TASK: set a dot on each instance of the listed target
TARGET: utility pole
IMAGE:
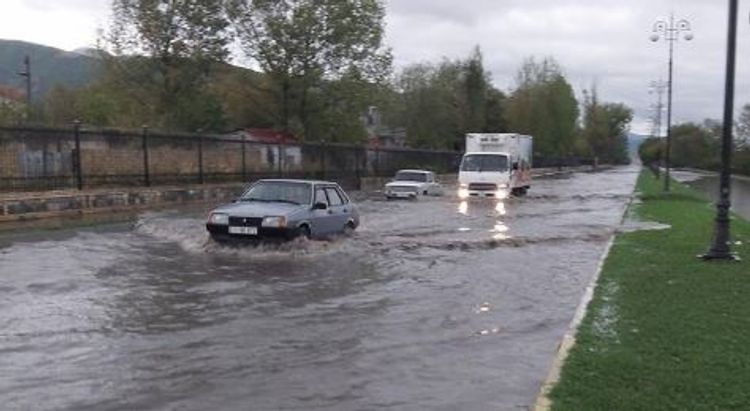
(657, 87)
(27, 74)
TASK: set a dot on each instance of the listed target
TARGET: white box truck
(495, 165)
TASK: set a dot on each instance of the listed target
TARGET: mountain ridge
(50, 67)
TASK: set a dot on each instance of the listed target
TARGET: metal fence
(36, 158)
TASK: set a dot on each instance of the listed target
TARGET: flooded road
(436, 304)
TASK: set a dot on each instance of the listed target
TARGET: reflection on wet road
(434, 304)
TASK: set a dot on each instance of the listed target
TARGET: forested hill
(49, 67)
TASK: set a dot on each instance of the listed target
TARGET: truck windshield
(411, 176)
(484, 162)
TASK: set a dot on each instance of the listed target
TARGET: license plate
(243, 230)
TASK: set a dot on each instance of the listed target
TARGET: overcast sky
(596, 41)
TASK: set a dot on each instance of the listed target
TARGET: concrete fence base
(26, 207)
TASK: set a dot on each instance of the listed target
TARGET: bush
(651, 150)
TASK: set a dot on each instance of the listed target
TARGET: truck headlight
(274, 222)
(463, 185)
(501, 194)
(218, 218)
(463, 193)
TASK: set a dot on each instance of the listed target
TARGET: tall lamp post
(670, 31)
(720, 249)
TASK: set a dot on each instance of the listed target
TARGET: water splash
(191, 236)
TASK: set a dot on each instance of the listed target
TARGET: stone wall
(25, 207)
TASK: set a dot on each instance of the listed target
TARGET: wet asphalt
(433, 304)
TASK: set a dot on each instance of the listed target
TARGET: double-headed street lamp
(720, 249)
(670, 31)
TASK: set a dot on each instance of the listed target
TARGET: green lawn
(665, 330)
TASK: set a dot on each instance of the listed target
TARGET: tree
(605, 128)
(302, 45)
(544, 106)
(698, 146)
(743, 128)
(340, 107)
(741, 159)
(164, 52)
(12, 109)
(651, 150)
(442, 102)
(434, 110)
(11, 113)
(694, 145)
(495, 111)
(476, 87)
(244, 97)
(618, 118)
(61, 106)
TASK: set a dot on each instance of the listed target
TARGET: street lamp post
(670, 31)
(720, 248)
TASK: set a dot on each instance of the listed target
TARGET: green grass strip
(665, 330)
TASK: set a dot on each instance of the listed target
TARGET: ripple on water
(411, 312)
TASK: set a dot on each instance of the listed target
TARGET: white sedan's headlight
(219, 218)
(274, 222)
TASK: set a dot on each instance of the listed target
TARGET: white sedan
(412, 184)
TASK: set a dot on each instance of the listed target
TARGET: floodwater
(708, 184)
(434, 304)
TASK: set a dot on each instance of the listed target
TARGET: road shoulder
(664, 330)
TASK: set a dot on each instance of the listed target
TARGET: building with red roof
(267, 136)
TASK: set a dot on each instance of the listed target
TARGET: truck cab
(485, 175)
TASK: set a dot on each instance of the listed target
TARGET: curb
(542, 402)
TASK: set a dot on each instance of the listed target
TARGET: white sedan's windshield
(484, 163)
(279, 191)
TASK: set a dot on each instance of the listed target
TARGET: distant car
(413, 183)
(284, 209)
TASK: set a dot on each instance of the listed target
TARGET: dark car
(284, 209)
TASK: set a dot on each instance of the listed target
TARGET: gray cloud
(83, 5)
(66, 24)
(603, 42)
